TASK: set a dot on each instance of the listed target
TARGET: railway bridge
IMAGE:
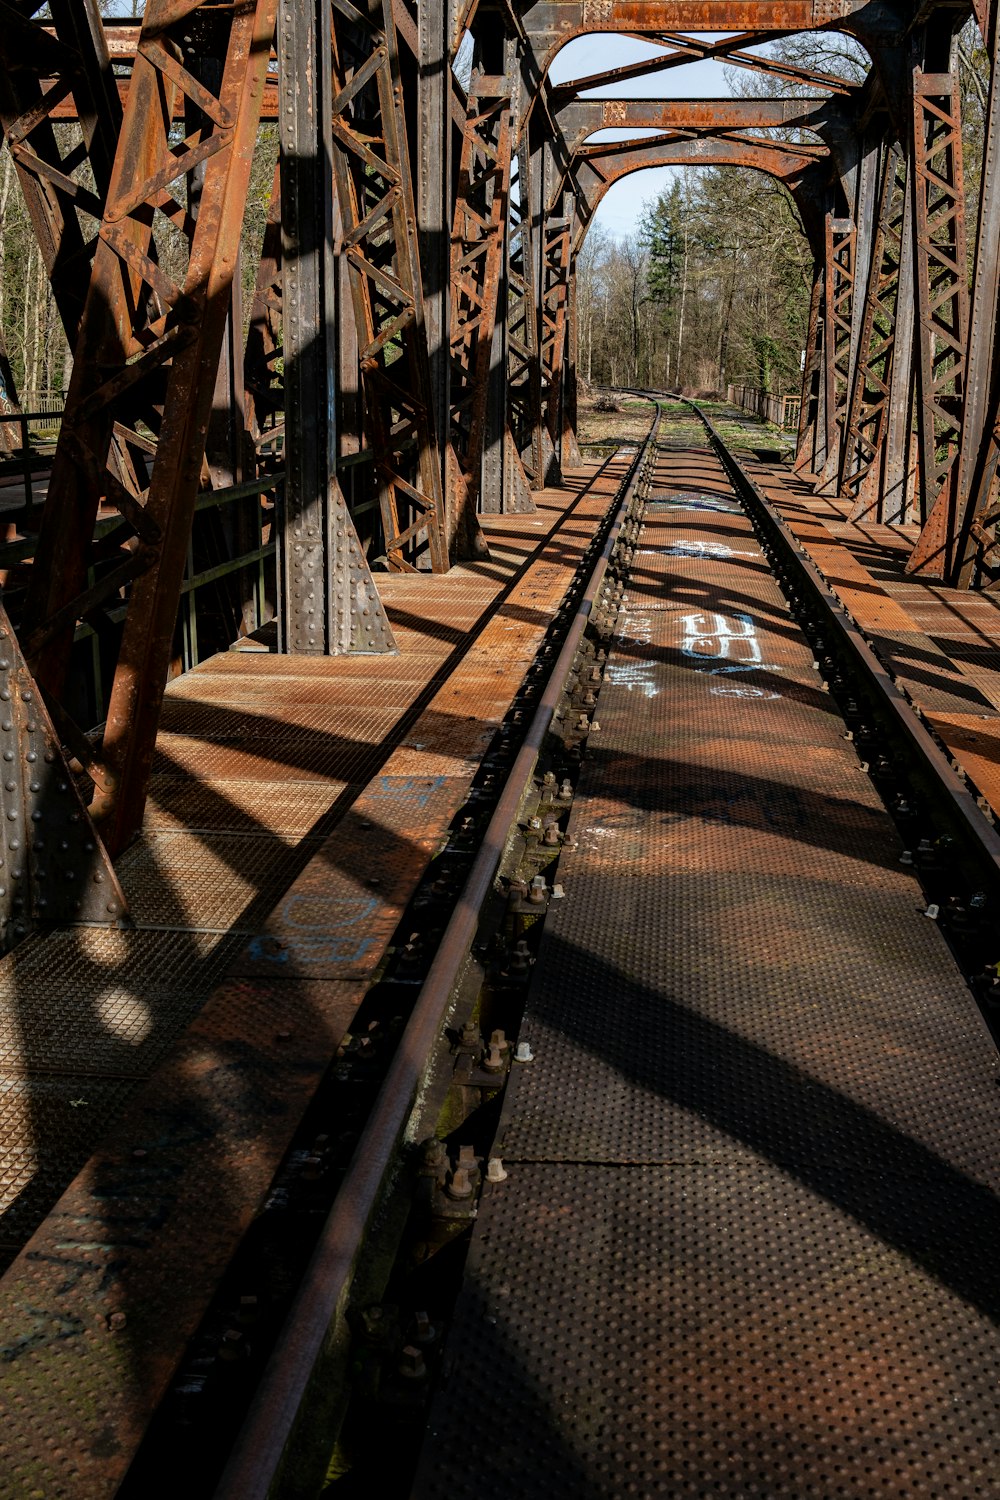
(499, 973)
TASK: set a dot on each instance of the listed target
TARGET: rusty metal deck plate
(336, 919)
(96, 1308)
(974, 741)
(309, 756)
(209, 882)
(278, 721)
(103, 1001)
(741, 1248)
(183, 804)
(928, 676)
(696, 1331)
(396, 685)
(47, 1133)
(413, 806)
(140, 1238)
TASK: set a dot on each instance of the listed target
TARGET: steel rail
(904, 714)
(269, 1425)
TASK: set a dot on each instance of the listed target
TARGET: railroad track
(949, 830)
(212, 1389)
(479, 972)
(423, 1145)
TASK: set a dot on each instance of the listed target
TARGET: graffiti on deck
(636, 676)
(704, 549)
(695, 500)
(720, 638)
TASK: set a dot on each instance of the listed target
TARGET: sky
(621, 208)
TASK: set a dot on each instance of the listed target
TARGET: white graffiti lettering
(714, 637)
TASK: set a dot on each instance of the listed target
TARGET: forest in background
(713, 288)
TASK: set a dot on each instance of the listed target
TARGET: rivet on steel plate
(520, 958)
(434, 1157)
(493, 1062)
(411, 1364)
(234, 1345)
(558, 894)
(459, 1183)
(423, 1331)
(469, 1039)
(933, 911)
(523, 1053)
(495, 1170)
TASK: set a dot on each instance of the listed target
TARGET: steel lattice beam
(942, 309)
(477, 253)
(144, 378)
(372, 171)
(331, 604)
(524, 383)
(868, 414)
(41, 71)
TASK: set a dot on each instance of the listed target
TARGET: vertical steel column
(264, 398)
(899, 464)
(555, 294)
(868, 413)
(477, 247)
(540, 172)
(329, 602)
(838, 301)
(375, 191)
(865, 214)
(942, 311)
(570, 448)
(434, 207)
(977, 516)
(523, 366)
(811, 376)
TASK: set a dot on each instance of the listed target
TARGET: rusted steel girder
(812, 377)
(330, 604)
(144, 379)
(477, 254)
(977, 513)
(942, 290)
(868, 414)
(595, 174)
(40, 70)
(372, 171)
(838, 302)
(552, 23)
(524, 381)
(556, 258)
(580, 118)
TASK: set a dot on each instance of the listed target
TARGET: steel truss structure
(409, 352)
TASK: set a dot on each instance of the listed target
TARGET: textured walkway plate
(747, 1241)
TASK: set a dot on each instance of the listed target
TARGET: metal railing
(781, 411)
